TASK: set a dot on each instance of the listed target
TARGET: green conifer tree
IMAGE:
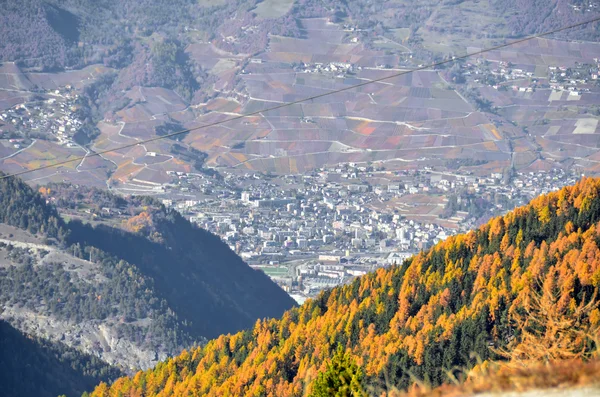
(343, 378)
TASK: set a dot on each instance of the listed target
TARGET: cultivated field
(532, 121)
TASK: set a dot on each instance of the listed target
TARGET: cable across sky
(303, 100)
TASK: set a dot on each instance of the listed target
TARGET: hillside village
(504, 75)
(51, 117)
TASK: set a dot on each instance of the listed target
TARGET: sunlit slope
(444, 308)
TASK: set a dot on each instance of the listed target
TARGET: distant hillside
(27, 34)
(74, 33)
(464, 301)
(142, 68)
(34, 367)
(130, 297)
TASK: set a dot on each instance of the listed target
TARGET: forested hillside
(20, 207)
(454, 305)
(205, 282)
(186, 264)
(131, 295)
(54, 34)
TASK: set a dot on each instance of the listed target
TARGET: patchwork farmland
(528, 107)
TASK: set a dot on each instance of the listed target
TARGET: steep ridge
(188, 265)
(199, 276)
(452, 306)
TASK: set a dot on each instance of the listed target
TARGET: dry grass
(502, 378)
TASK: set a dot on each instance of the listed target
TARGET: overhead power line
(307, 99)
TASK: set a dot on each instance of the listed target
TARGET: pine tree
(343, 378)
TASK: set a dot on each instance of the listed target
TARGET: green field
(390, 45)
(401, 34)
(274, 271)
(273, 8)
(211, 3)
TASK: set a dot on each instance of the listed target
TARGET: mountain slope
(74, 33)
(190, 266)
(442, 309)
(130, 297)
(30, 366)
(27, 34)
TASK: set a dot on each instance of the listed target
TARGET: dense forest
(526, 17)
(452, 306)
(34, 367)
(27, 34)
(20, 207)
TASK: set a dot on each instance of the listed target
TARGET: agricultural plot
(41, 153)
(551, 102)
(75, 78)
(273, 8)
(544, 52)
(221, 64)
(453, 27)
(12, 80)
(11, 98)
(143, 167)
(414, 117)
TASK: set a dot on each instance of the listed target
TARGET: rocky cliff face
(98, 338)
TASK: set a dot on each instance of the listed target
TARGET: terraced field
(405, 122)
(406, 118)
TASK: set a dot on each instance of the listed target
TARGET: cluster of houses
(340, 68)
(50, 118)
(527, 78)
